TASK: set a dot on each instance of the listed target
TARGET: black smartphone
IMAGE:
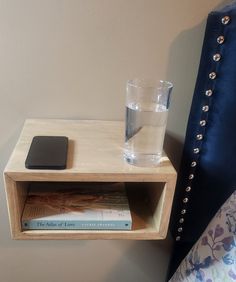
(47, 152)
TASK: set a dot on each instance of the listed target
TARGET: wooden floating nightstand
(95, 155)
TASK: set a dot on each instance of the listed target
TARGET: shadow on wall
(136, 257)
(182, 71)
(173, 147)
(184, 59)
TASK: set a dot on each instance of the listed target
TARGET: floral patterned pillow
(213, 257)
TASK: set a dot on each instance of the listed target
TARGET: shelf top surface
(95, 151)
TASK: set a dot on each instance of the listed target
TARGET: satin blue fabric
(215, 172)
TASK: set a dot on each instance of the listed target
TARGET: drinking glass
(147, 105)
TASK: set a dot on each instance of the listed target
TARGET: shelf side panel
(16, 193)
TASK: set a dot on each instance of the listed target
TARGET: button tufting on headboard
(188, 189)
(205, 108)
(202, 122)
(220, 39)
(185, 200)
(183, 211)
(207, 173)
(212, 75)
(209, 93)
(191, 176)
(196, 150)
(225, 20)
(199, 137)
(216, 57)
(181, 220)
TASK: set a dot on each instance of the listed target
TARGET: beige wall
(70, 59)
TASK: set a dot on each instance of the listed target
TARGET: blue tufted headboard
(207, 173)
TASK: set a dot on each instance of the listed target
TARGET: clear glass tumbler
(147, 104)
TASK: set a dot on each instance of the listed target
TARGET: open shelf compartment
(147, 203)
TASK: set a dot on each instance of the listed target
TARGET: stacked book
(98, 206)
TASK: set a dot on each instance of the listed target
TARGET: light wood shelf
(95, 155)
